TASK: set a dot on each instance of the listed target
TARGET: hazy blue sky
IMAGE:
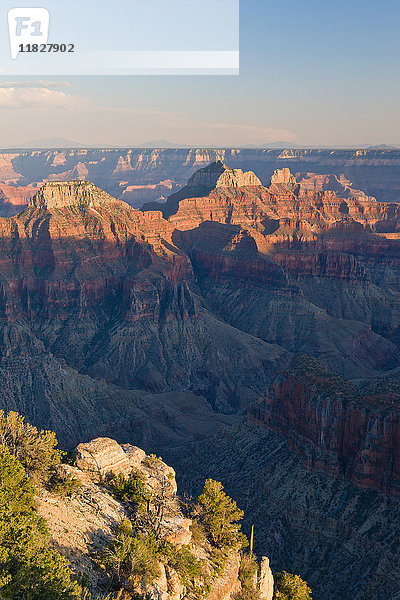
(312, 72)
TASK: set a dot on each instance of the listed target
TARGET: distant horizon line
(382, 147)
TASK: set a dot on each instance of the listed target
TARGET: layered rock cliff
(218, 193)
(14, 198)
(334, 426)
(331, 258)
(101, 302)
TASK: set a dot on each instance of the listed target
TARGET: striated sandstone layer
(218, 193)
(334, 427)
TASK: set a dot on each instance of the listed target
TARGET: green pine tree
(220, 516)
(290, 587)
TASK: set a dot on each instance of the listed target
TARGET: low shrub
(183, 561)
(198, 532)
(132, 554)
(152, 461)
(130, 489)
(248, 578)
(64, 484)
(290, 587)
(218, 559)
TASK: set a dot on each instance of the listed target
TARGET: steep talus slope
(321, 276)
(52, 394)
(343, 540)
(102, 296)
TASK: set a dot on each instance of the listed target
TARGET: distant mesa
(49, 143)
(62, 194)
(282, 180)
(283, 176)
(135, 175)
(219, 175)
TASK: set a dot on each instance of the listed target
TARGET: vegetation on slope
(30, 569)
(290, 587)
(220, 516)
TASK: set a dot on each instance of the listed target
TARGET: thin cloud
(127, 125)
(167, 123)
(39, 98)
(254, 133)
(34, 84)
(214, 132)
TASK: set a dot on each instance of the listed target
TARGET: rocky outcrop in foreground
(85, 524)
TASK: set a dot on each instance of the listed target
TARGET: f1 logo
(27, 25)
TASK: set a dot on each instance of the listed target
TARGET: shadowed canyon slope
(212, 300)
(96, 301)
